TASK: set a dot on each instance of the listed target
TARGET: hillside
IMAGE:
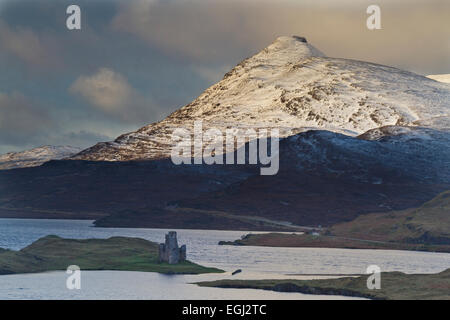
(324, 178)
(428, 224)
(426, 228)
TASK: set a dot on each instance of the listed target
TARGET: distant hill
(428, 224)
(426, 228)
(325, 178)
(35, 157)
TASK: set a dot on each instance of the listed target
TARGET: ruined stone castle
(170, 252)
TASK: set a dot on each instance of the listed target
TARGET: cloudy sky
(136, 61)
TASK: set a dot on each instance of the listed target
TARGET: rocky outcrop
(170, 252)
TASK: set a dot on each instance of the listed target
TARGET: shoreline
(289, 240)
(393, 286)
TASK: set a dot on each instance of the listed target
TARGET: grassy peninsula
(53, 253)
(394, 286)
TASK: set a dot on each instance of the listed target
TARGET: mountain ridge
(324, 178)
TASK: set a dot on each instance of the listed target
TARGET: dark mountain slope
(324, 178)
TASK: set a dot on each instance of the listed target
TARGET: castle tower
(170, 252)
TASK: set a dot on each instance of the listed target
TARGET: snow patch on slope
(35, 157)
(440, 77)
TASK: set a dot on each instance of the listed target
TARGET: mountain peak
(288, 39)
(292, 86)
(289, 49)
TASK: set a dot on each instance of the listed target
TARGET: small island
(394, 286)
(52, 253)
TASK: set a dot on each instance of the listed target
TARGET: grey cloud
(81, 138)
(24, 123)
(212, 73)
(21, 121)
(196, 30)
(205, 31)
(27, 45)
(111, 93)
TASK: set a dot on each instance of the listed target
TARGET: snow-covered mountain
(35, 157)
(357, 138)
(292, 86)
